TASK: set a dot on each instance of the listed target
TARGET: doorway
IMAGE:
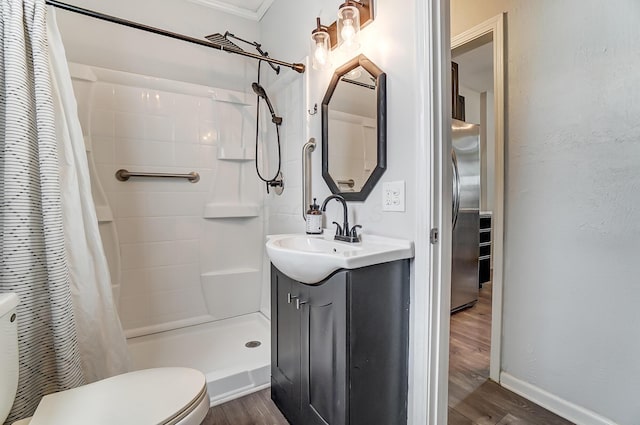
(480, 53)
(474, 343)
(474, 391)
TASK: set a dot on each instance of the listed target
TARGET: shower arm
(257, 46)
(298, 67)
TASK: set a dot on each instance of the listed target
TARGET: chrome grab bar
(308, 147)
(124, 175)
(456, 193)
(349, 183)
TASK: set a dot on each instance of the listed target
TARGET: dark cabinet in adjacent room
(340, 347)
(484, 265)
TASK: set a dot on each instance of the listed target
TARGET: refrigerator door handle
(456, 188)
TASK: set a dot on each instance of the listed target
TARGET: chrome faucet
(343, 233)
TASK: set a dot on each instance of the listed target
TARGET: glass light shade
(349, 28)
(320, 50)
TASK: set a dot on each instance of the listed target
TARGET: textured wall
(572, 198)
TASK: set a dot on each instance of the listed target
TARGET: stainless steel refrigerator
(465, 160)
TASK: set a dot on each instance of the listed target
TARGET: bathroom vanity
(340, 346)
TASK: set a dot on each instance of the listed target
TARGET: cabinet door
(324, 352)
(285, 345)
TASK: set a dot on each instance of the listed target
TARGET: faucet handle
(338, 228)
(354, 231)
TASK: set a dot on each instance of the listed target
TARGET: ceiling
(475, 68)
(249, 9)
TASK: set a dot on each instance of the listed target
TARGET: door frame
(431, 296)
(493, 29)
(431, 299)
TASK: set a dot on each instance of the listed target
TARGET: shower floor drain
(253, 344)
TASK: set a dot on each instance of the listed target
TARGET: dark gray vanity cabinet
(285, 345)
(339, 348)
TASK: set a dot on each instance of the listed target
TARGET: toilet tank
(8, 353)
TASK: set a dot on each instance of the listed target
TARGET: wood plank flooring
(473, 398)
(254, 409)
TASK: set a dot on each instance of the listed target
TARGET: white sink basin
(311, 258)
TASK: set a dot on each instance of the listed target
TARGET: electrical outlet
(393, 196)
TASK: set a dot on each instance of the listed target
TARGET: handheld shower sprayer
(260, 92)
(276, 182)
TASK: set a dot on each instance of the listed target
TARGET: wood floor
(254, 409)
(473, 398)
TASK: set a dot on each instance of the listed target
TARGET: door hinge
(433, 236)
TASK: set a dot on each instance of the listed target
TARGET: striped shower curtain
(33, 263)
(50, 250)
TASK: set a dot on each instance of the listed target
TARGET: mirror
(354, 129)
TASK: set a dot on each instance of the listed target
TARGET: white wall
(94, 42)
(357, 159)
(389, 43)
(178, 267)
(572, 195)
(184, 259)
(471, 103)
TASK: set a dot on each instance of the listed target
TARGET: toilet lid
(144, 397)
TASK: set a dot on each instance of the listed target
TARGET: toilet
(167, 396)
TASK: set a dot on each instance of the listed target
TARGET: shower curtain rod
(298, 67)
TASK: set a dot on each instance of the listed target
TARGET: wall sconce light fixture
(320, 46)
(352, 16)
(349, 26)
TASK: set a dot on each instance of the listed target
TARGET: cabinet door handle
(299, 303)
(290, 297)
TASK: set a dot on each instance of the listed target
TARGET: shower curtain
(103, 348)
(50, 251)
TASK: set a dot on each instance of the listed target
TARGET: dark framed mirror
(354, 129)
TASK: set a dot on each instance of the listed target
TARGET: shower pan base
(225, 351)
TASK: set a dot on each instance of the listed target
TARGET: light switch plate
(393, 196)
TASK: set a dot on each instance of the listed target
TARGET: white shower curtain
(102, 344)
(50, 249)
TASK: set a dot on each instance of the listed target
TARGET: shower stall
(182, 214)
(185, 256)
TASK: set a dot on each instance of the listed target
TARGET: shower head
(260, 92)
(223, 42)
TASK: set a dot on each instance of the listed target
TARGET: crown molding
(254, 15)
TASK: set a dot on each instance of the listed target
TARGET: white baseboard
(553, 403)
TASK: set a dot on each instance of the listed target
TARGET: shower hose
(277, 121)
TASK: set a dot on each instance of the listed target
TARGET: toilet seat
(167, 396)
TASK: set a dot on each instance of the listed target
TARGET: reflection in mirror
(354, 129)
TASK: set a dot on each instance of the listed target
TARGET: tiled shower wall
(188, 252)
(284, 213)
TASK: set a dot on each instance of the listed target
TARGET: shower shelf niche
(235, 153)
(215, 210)
(232, 292)
(227, 96)
(104, 214)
